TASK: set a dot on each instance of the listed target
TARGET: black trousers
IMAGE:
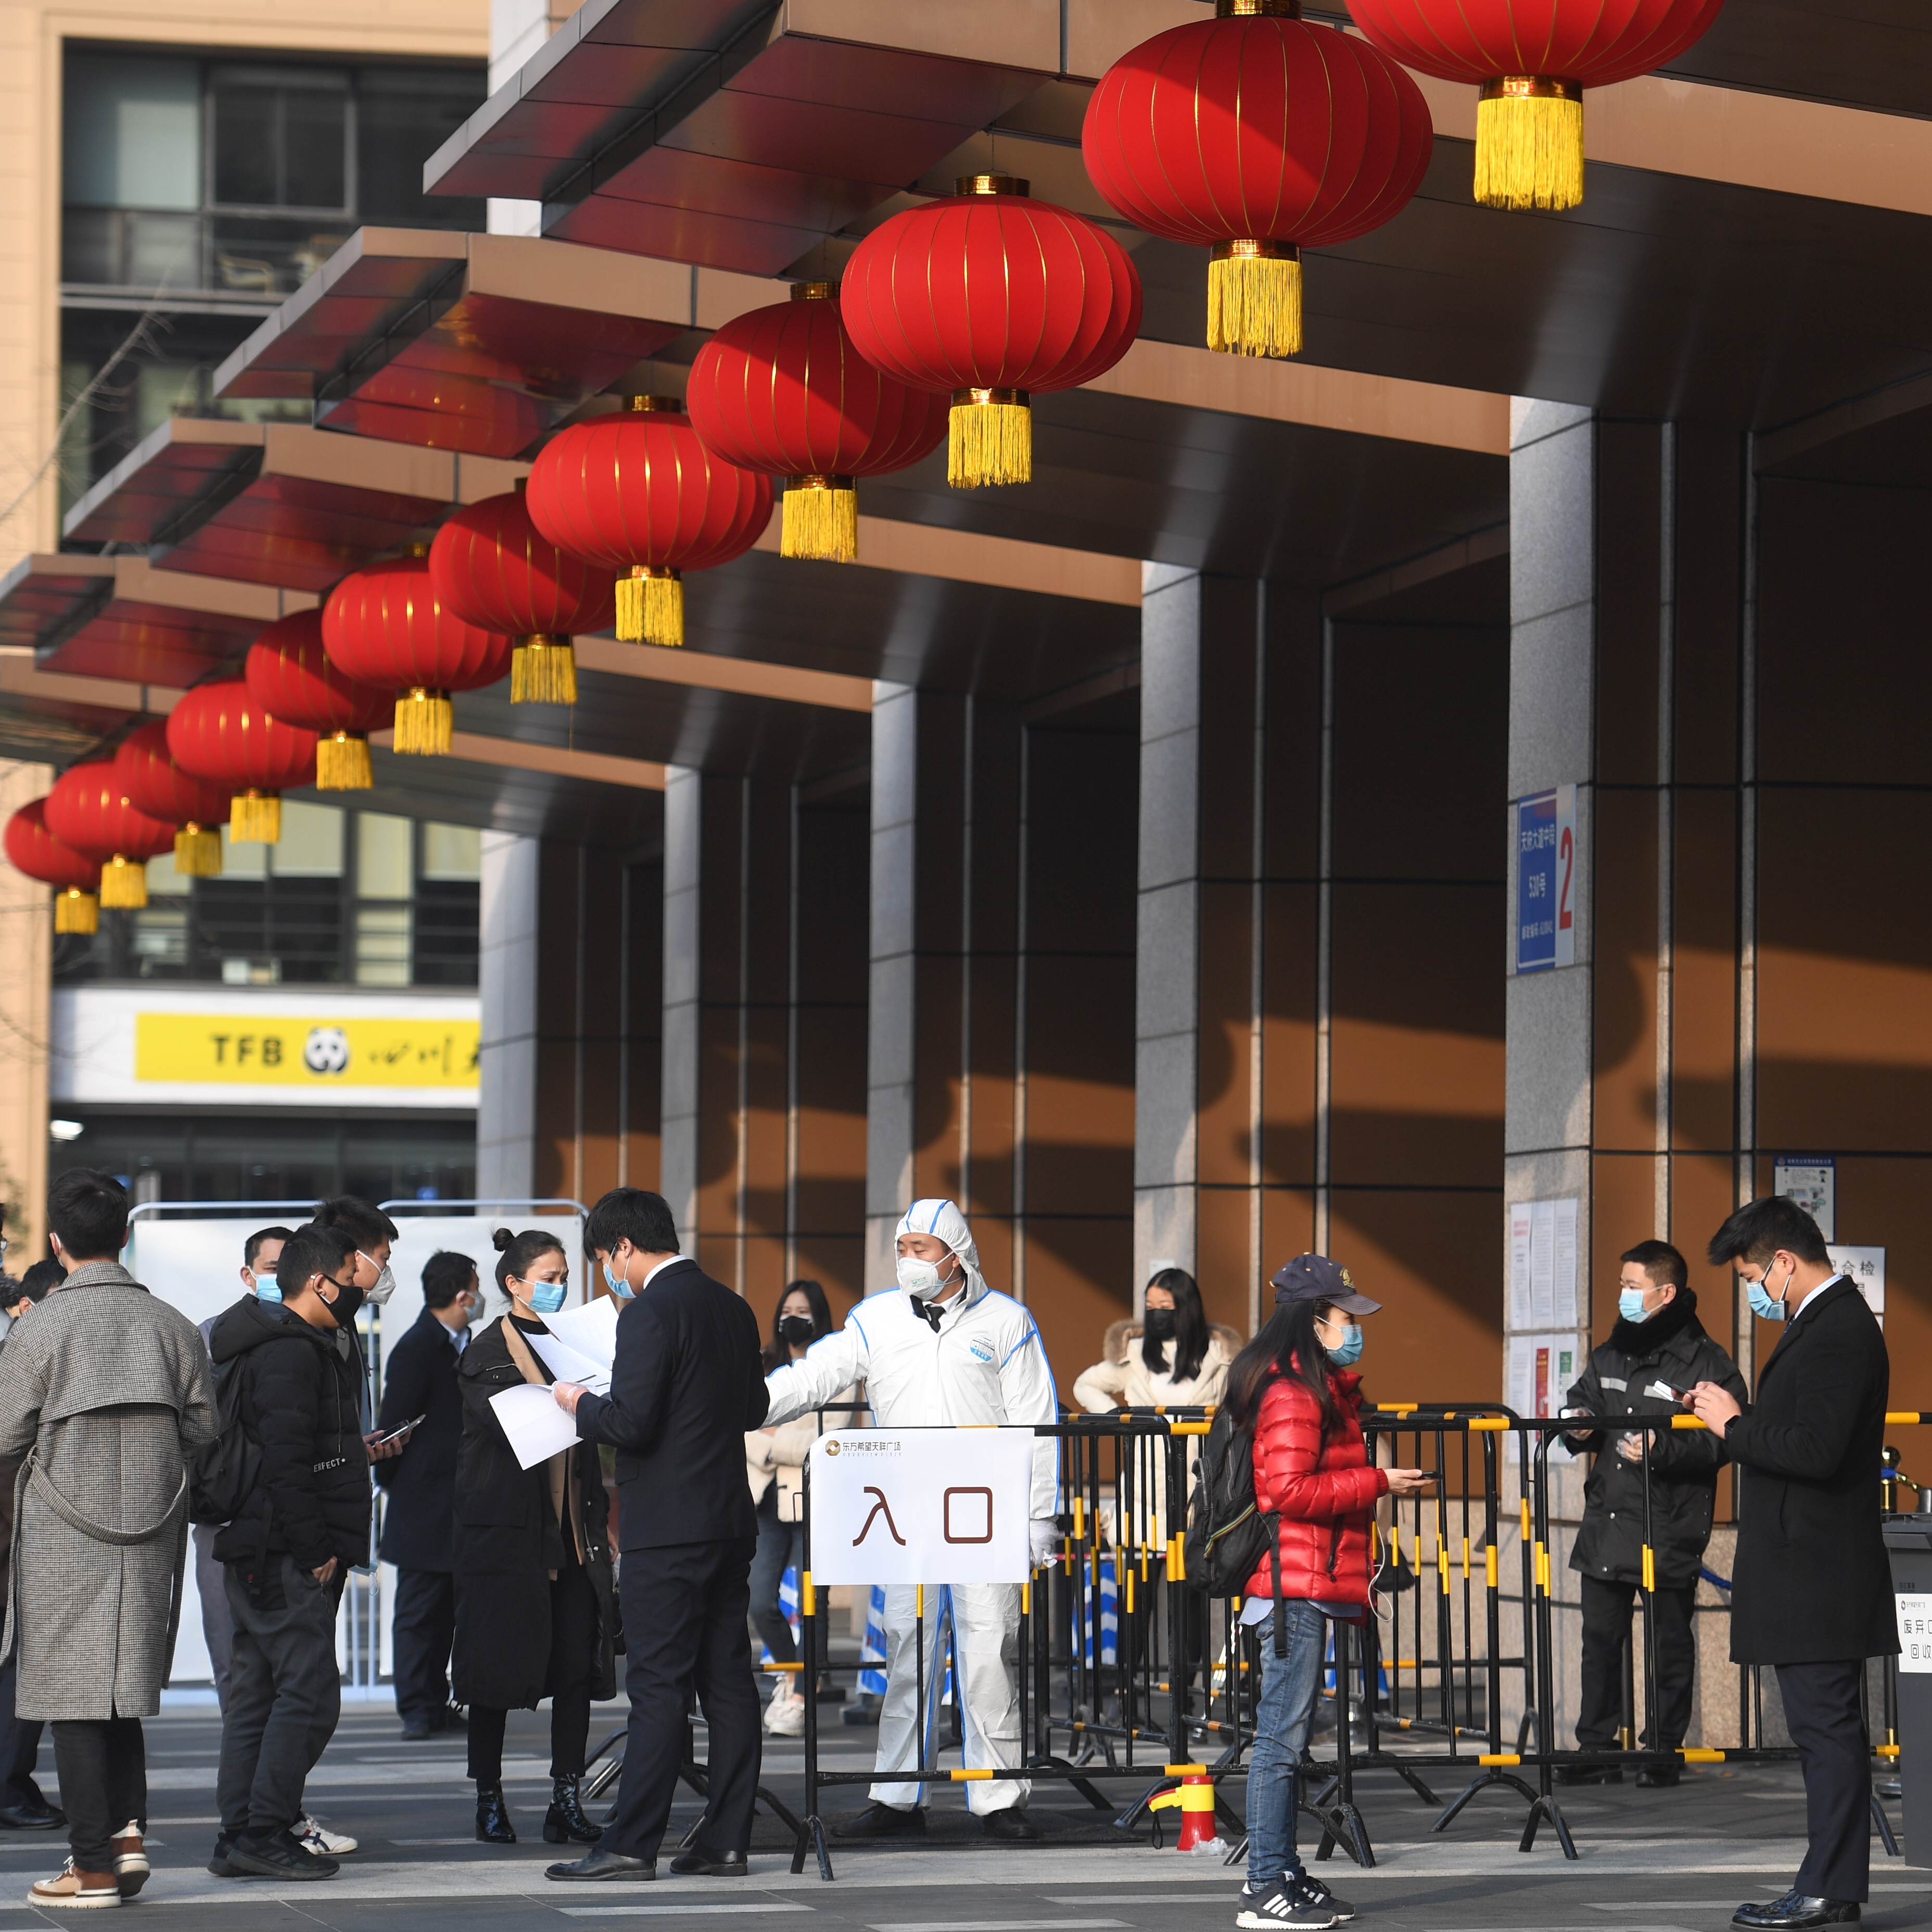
(573, 1639)
(19, 1744)
(424, 1625)
(1822, 1712)
(685, 1607)
(1607, 1609)
(102, 1764)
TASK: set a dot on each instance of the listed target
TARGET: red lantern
(784, 390)
(1261, 137)
(89, 808)
(385, 625)
(219, 732)
(991, 297)
(154, 783)
(289, 675)
(33, 850)
(639, 492)
(1533, 58)
(490, 564)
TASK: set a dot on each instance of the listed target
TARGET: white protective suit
(984, 1362)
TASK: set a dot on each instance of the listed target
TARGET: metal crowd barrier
(1130, 1674)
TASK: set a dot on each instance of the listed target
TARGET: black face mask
(347, 1302)
(1159, 1324)
(793, 1329)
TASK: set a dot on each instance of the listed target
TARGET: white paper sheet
(568, 1365)
(591, 1330)
(537, 1428)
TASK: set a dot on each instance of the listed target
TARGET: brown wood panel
(1223, 1126)
(1710, 578)
(642, 1064)
(1624, 990)
(1081, 849)
(717, 1062)
(1703, 1193)
(1287, 1034)
(1221, 1265)
(767, 1125)
(1704, 1012)
(1291, 803)
(1882, 1203)
(1630, 555)
(1623, 1212)
(936, 1077)
(1287, 1229)
(1079, 1278)
(1080, 1092)
(558, 905)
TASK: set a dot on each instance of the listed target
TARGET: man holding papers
(687, 1382)
(534, 1614)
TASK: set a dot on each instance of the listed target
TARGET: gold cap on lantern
(992, 184)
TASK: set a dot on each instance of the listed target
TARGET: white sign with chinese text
(921, 1506)
(1866, 1267)
(1914, 1633)
(1811, 1180)
(1543, 1264)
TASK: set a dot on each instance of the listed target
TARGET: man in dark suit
(687, 1383)
(419, 1379)
(1811, 1588)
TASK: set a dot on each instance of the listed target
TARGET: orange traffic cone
(1194, 1796)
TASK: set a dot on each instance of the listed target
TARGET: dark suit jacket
(689, 1380)
(419, 1379)
(1811, 1584)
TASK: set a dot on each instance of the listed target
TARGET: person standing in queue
(1657, 1339)
(1296, 1387)
(688, 1382)
(534, 1612)
(1811, 1585)
(419, 1394)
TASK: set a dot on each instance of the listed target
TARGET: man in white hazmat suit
(945, 1349)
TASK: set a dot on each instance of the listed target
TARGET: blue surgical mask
(1763, 1306)
(1630, 1305)
(615, 1282)
(1347, 1351)
(546, 1297)
(265, 1288)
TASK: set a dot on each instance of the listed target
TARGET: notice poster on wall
(1541, 1369)
(1811, 1180)
(1866, 1267)
(1546, 884)
(1543, 1264)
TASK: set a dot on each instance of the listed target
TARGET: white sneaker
(785, 1715)
(324, 1842)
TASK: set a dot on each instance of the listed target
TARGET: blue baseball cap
(1316, 1278)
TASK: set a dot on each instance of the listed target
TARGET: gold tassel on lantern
(198, 851)
(1254, 299)
(650, 607)
(76, 911)
(989, 438)
(255, 818)
(342, 763)
(543, 670)
(821, 519)
(1529, 142)
(124, 884)
(423, 718)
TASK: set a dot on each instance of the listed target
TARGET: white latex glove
(1044, 1534)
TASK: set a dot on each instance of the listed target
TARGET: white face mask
(386, 1283)
(920, 1280)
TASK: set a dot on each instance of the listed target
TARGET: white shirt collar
(670, 1261)
(1811, 1301)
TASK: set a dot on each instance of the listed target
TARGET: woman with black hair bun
(534, 1617)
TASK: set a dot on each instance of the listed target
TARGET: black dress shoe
(41, 1817)
(420, 1730)
(1658, 1777)
(1011, 1824)
(881, 1821)
(1795, 1911)
(698, 1863)
(1588, 1774)
(602, 1865)
(493, 1816)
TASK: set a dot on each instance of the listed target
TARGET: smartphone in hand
(397, 1435)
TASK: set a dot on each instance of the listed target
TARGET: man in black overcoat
(419, 1379)
(1811, 1589)
(688, 1382)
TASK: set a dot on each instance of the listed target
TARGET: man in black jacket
(1657, 1339)
(419, 1380)
(289, 1549)
(1812, 1590)
(688, 1382)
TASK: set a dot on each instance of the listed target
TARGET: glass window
(131, 132)
(248, 861)
(383, 870)
(280, 138)
(452, 852)
(311, 842)
(381, 946)
(402, 115)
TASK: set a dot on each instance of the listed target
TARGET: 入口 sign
(1547, 881)
(921, 1506)
(267, 1050)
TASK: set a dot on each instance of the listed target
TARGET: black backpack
(1228, 1536)
(223, 1473)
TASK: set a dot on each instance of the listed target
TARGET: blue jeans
(1281, 1734)
(781, 1547)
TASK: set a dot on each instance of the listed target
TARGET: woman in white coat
(1171, 1358)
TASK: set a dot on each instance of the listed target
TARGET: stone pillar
(891, 1055)
(507, 965)
(678, 1111)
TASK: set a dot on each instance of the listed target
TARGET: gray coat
(111, 1389)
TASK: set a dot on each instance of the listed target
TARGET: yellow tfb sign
(268, 1050)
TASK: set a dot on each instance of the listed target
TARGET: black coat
(508, 1542)
(1812, 1584)
(418, 1519)
(689, 1381)
(1672, 1347)
(301, 1404)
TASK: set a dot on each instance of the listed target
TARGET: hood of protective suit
(941, 1218)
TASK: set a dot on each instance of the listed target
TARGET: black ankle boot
(493, 1815)
(565, 1820)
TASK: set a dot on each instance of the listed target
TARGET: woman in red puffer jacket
(1293, 1386)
